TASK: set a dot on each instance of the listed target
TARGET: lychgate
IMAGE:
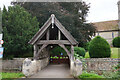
(53, 33)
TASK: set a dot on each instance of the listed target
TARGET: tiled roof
(106, 25)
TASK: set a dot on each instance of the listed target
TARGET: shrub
(89, 75)
(99, 48)
(116, 42)
(86, 46)
(79, 51)
(58, 50)
(115, 75)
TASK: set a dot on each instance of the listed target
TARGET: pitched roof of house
(106, 25)
(45, 27)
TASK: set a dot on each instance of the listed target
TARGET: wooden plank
(72, 52)
(65, 32)
(38, 53)
(40, 32)
(35, 50)
(48, 35)
(63, 46)
(53, 42)
(59, 35)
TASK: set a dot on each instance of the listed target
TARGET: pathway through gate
(54, 71)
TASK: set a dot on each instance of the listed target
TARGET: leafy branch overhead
(71, 14)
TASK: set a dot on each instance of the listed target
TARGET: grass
(114, 53)
(89, 75)
(11, 75)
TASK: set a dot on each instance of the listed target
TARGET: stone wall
(16, 64)
(31, 67)
(93, 64)
(76, 68)
(99, 64)
(12, 65)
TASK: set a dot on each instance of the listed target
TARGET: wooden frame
(36, 40)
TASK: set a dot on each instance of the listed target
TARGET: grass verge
(6, 75)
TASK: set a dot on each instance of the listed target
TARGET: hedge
(116, 42)
(99, 48)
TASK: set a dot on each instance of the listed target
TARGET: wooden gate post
(72, 60)
(35, 50)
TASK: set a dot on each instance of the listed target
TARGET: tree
(19, 27)
(71, 14)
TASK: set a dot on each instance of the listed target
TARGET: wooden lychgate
(45, 37)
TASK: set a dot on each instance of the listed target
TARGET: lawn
(11, 75)
(114, 53)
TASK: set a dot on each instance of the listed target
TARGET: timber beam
(39, 51)
(63, 46)
(53, 42)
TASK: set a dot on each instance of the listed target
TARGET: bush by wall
(116, 42)
(78, 51)
(99, 48)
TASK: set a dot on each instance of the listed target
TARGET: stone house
(107, 29)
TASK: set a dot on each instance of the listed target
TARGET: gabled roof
(45, 27)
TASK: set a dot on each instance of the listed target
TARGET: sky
(100, 10)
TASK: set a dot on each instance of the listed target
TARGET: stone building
(107, 29)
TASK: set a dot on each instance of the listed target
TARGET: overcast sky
(100, 10)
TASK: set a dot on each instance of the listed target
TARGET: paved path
(54, 71)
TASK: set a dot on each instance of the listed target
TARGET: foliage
(58, 50)
(99, 48)
(78, 51)
(71, 14)
(110, 74)
(11, 75)
(114, 53)
(116, 42)
(89, 75)
(86, 45)
(118, 66)
(19, 27)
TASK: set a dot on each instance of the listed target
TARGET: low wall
(31, 67)
(12, 65)
(93, 64)
(76, 68)
(44, 63)
(16, 64)
(99, 64)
